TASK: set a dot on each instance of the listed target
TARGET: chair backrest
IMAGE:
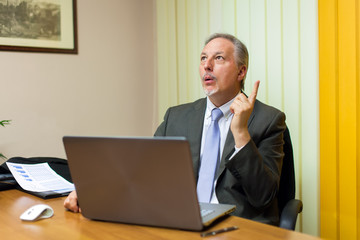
(287, 179)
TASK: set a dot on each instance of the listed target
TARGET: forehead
(218, 45)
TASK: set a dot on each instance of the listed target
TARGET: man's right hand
(242, 108)
(71, 202)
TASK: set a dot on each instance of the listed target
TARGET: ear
(242, 73)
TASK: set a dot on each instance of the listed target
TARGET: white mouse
(37, 212)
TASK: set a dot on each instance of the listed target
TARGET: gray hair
(240, 51)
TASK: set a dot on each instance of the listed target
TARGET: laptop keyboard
(205, 212)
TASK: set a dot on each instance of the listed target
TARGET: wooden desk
(68, 225)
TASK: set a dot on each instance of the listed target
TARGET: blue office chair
(289, 207)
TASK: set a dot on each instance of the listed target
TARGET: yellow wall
(339, 48)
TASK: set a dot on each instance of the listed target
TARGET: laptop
(138, 180)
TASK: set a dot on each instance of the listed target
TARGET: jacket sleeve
(161, 130)
(257, 166)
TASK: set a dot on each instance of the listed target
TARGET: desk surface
(68, 225)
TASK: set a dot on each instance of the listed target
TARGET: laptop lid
(137, 180)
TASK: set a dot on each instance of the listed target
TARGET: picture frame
(48, 26)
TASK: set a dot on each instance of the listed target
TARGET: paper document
(39, 178)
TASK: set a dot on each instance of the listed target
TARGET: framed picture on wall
(38, 26)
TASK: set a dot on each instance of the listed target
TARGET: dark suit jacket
(250, 180)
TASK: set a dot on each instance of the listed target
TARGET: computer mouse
(37, 212)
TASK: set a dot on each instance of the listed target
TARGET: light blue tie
(210, 158)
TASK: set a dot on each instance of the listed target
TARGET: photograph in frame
(38, 26)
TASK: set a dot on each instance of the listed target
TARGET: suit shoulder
(266, 109)
(266, 114)
(183, 107)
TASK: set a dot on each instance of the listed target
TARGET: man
(250, 135)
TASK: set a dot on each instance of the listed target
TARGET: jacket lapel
(195, 129)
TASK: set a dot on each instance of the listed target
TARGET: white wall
(106, 89)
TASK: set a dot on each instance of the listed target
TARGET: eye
(203, 58)
(219, 58)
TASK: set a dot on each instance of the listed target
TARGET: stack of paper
(39, 178)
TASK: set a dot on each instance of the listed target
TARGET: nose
(208, 65)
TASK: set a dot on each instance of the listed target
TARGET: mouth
(209, 78)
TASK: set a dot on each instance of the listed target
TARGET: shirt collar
(225, 108)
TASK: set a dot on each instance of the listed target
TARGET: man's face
(220, 75)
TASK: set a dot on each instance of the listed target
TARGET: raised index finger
(253, 94)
